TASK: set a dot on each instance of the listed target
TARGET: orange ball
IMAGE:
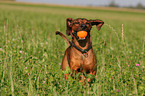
(82, 34)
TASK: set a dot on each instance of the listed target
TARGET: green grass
(30, 52)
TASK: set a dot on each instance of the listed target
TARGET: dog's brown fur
(73, 58)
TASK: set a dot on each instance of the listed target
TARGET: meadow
(31, 53)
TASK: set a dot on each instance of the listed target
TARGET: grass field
(30, 53)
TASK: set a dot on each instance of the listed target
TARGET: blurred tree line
(138, 6)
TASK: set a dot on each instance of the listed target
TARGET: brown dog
(79, 56)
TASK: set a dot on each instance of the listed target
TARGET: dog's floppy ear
(97, 22)
(68, 24)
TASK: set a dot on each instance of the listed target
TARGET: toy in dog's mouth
(82, 35)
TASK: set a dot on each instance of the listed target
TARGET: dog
(79, 56)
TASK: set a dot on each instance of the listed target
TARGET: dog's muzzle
(80, 38)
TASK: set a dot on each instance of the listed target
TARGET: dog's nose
(83, 26)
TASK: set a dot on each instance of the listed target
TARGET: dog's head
(81, 24)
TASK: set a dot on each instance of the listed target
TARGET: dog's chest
(83, 63)
(82, 59)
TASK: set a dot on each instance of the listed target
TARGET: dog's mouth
(82, 38)
(81, 35)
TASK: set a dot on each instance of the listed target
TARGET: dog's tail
(64, 37)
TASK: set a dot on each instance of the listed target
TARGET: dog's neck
(83, 44)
